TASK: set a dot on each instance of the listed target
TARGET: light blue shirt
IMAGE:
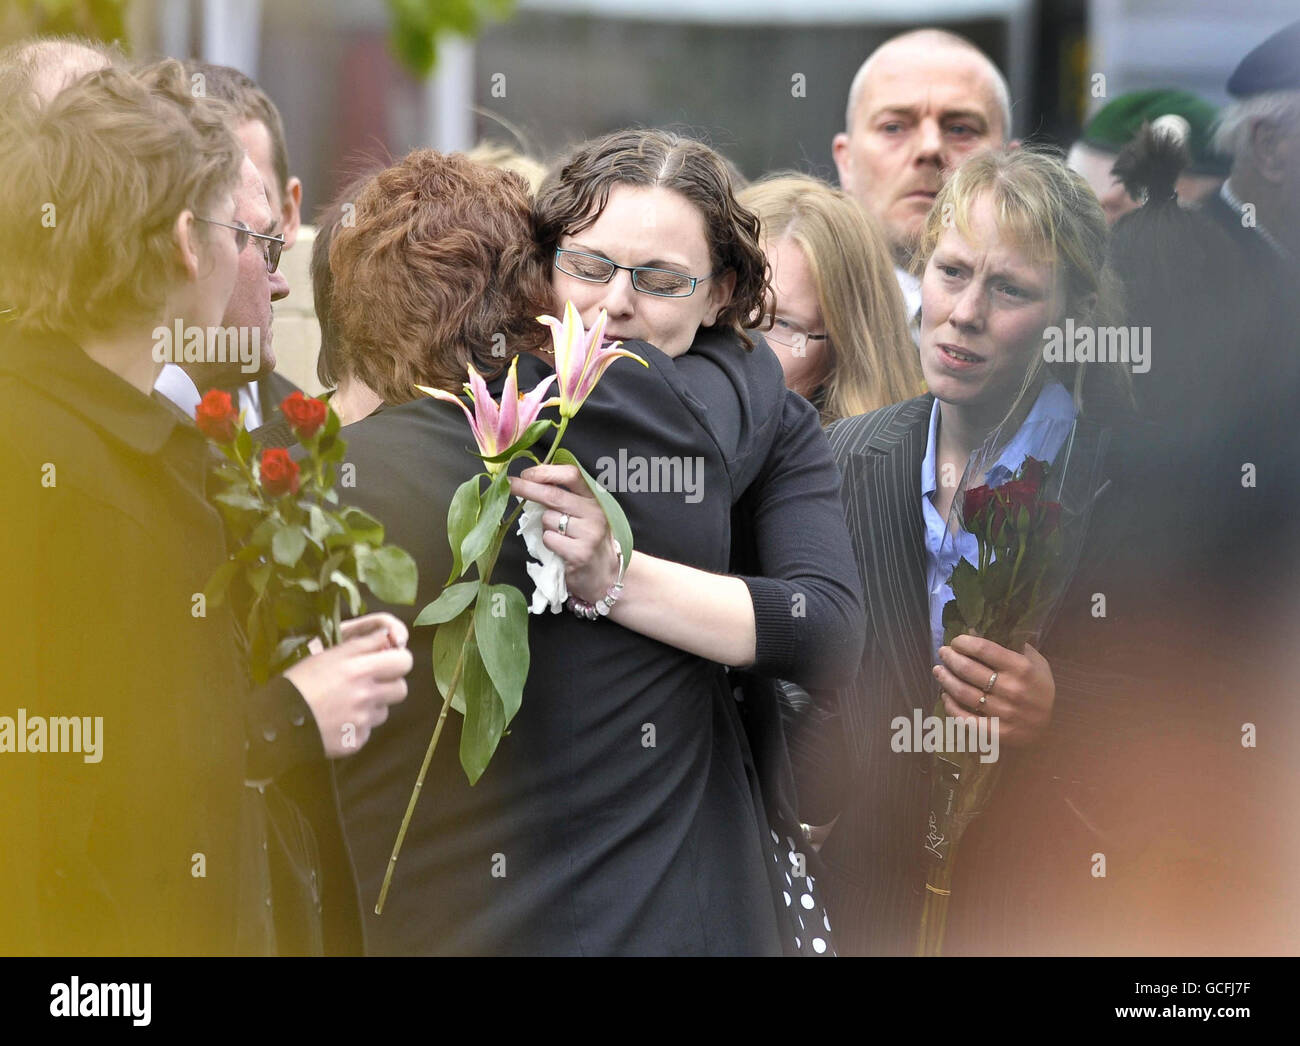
(1041, 435)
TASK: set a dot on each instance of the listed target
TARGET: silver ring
(983, 699)
(993, 679)
(564, 525)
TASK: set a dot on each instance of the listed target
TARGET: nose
(968, 309)
(929, 146)
(279, 286)
(619, 299)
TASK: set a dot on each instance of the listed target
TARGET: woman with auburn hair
(1024, 250)
(117, 226)
(622, 812)
(837, 319)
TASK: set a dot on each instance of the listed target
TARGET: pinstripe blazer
(1054, 800)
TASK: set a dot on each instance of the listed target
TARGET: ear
(185, 233)
(1015, 143)
(843, 162)
(720, 293)
(291, 212)
(1268, 146)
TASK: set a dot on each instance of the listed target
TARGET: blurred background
(764, 81)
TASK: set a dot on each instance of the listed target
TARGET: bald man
(920, 104)
(46, 65)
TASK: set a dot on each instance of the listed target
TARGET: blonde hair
(1051, 212)
(873, 361)
(90, 190)
(506, 158)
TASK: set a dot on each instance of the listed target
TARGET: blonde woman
(838, 324)
(1024, 255)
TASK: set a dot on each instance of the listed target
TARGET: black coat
(601, 842)
(160, 847)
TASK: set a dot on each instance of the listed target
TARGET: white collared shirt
(178, 387)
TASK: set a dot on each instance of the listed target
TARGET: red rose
(306, 415)
(1018, 494)
(974, 505)
(1051, 516)
(1033, 472)
(216, 416)
(279, 472)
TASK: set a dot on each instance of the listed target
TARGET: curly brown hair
(575, 194)
(439, 271)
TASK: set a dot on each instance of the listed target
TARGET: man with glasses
(259, 283)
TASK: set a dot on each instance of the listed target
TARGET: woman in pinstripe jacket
(1015, 245)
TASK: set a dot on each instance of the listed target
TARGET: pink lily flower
(580, 356)
(498, 427)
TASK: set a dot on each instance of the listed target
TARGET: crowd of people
(711, 767)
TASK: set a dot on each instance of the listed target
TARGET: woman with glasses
(837, 320)
(643, 225)
(620, 814)
(137, 831)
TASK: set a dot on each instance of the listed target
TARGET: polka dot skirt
(811, 924)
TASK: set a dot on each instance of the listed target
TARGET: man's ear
(720, 293)
(843, 161)
(291, 212)
(1267, 145)
(184, 234)
(1015, 143)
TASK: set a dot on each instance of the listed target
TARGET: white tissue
(545, 567)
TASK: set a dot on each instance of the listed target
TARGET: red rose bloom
(306, 415)
(974, 506)
(1018, 494)
(279, 472)
(1033, 472)
(216, 416)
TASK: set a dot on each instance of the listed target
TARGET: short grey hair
(1232, 130)
(940, 38)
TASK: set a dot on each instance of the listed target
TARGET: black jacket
(160, 847)
(620, 814)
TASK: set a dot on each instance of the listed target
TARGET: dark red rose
(1033, 472)
(279, 472)
(1018, 494)
(216, 416)
(974, 505)
(306, 415)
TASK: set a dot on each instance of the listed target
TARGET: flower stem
(424, 768)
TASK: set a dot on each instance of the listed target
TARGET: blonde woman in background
(838, 322)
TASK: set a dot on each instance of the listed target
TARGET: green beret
(1116, 123)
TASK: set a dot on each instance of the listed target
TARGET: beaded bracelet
(602, 607)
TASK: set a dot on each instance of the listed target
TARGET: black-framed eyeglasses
(791, 335)
(273, 245)
(662, 283)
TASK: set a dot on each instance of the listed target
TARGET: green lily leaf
(452, 600)
(478, 540)
(485, 719)
(531, 435)
(618, 524)
(501, 630)
(461, 517)
(447, 642)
